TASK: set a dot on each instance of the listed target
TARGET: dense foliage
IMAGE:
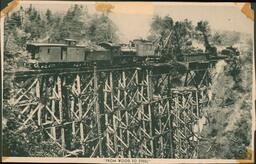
(92, 27)
(32, 25)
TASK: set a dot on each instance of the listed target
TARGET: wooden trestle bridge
(115, 112)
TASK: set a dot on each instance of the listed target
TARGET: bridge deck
(159, 67)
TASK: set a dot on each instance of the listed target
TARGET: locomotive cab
(113, 48)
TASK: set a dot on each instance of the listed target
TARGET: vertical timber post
(149, 99)
(140, 109)
(106, 91)
(197, 104)
(198, 115)
(98, 116)
(112, 106)
(171, 117)
(72, 111)
(80, 113)
(38, 96)
(119, 115)
(126, 112)
(61, 112)
(53, 129)
(150, 112)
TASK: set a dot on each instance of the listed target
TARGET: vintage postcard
(127, 82)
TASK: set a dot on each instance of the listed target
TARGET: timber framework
(115, 112)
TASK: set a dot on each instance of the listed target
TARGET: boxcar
(144, 48)
(44, 52)
(74, 54)
(69, 52)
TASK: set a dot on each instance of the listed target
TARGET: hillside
(228, 133)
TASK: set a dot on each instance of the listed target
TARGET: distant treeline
(31, 25)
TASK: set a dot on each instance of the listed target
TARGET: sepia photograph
(127, 82)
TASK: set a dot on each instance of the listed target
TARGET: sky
(133, 19)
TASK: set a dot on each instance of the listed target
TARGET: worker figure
(131, 44)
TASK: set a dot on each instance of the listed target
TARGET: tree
(204, 30)
(167, 23)
(101, 28)
(13, 21)
(181, 38)
(216, 38)
(34, 24)
(49, 16)
(160, 27)
(172, 38)
(72, 24)
(76, 23)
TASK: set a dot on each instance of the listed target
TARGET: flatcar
(199, 56)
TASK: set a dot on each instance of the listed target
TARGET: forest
(228, 134)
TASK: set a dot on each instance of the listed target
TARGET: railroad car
(145, 50)
(70, 54)
(49, 55)
(200, 56)
(230, 51)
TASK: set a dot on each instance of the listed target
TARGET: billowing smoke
(220, 80)
(218, 71)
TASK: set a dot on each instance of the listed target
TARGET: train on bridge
(72, 55)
